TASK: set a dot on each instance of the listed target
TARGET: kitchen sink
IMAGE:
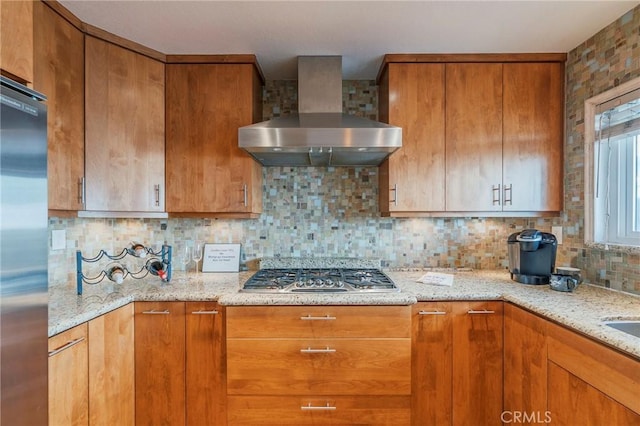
(629, 327)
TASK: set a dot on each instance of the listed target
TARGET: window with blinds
(616, 160)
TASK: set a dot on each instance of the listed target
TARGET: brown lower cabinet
(68, 377)
(328, 410)
(457, 363)
(179, 364)
(435, 363)
(206, 383)
(111, 369)
(557, 376)
(525, 365)
(160, 363)
(319, 365)
(589, 383)
(91, 372)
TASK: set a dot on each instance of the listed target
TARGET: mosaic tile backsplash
(332, 212)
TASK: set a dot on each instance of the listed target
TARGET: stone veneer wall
(332, 212)
(610, 57)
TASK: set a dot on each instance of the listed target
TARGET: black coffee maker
(532, 256)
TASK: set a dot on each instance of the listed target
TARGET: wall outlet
(58, 239)
(557, 231)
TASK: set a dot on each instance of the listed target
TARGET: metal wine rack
(164, 255)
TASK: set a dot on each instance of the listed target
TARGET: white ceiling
(361, 31)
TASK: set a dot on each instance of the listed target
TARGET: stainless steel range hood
(320, 135)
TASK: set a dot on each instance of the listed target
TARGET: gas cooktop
(329, 280)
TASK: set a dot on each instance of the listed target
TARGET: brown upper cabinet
(124, 130)
(533, 135)
(207, 174)
(473, 136)
(482, 134)
(16, 33)
(412, 179)
(59, 74)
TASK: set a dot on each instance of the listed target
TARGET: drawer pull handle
(484, 311)
(316, 407)
(214, 312)
(432, 313)
(324, 318)
(66, 346)
(310, 350)
(154, 312)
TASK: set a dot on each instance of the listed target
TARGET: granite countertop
(583, 310)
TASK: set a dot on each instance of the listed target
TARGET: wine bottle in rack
(115, 272)
(138, 250)
(157, 268)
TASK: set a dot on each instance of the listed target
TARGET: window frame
(590, 135)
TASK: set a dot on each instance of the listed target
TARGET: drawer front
(330, 410)
(318, 321)
(319, 366)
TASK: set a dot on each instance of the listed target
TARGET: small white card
(221, 258)
(437, 278)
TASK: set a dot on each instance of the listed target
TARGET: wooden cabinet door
(111, 368)
(589, 383)
(205, 364)
(478, 365)
(68, 376)
(59, 74)
(160, 363)
(573, 401)
(319, 366)
(432, 363)
(525, 363)
(318, 321)
(319, 411)
(473, 136)
(413, 178)
(16, 33)
(124, 112)
(533, 136)
(206, 171)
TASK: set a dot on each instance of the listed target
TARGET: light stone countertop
(582, 310)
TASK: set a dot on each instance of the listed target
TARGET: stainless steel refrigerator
(23, 256)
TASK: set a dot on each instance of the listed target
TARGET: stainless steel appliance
(23, 256)
(320, 134)
(319, 280)
(532, 256)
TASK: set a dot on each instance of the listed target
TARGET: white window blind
(617, 171)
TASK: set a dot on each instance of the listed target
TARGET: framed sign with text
(221, 258)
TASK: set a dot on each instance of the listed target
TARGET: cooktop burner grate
(320, 280)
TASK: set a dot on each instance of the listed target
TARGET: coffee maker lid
(529, 236)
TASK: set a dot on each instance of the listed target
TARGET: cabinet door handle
(156, 190)
(246, 196)
(432, 313)
(311, 350)
(214, 312)
(508, 188)
(318, 407)
(154, 312)
(495, 190)
(81, 190)
(324, 318)
(66, 346)
(484, 311)
(395, 194)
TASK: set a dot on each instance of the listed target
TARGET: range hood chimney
(320, 134)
